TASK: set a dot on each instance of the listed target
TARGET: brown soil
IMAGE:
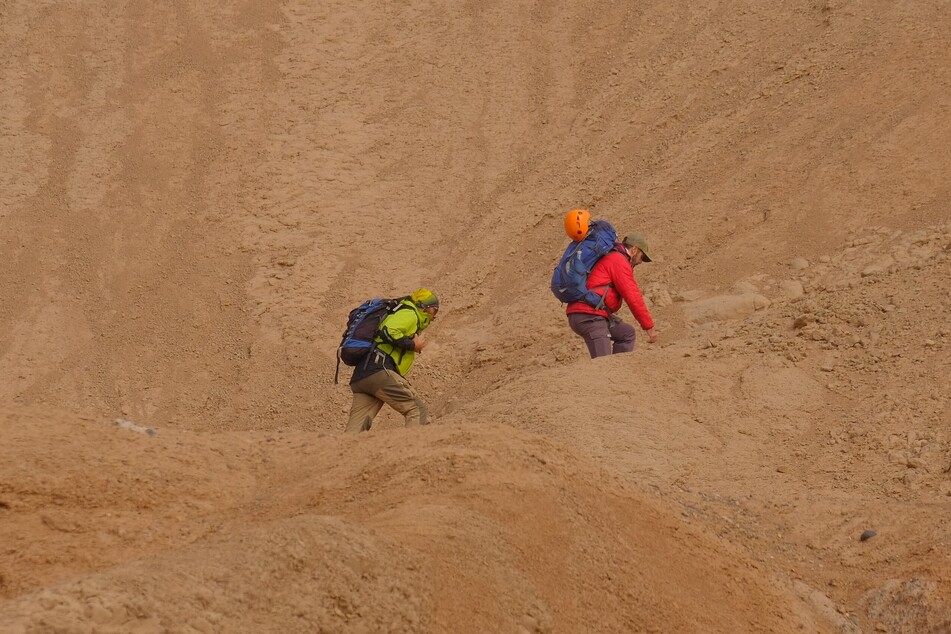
(194, 195)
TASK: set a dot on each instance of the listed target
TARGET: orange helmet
(576, 224)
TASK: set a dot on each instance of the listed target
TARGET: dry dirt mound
(446, 529)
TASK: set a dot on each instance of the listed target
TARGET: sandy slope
(472, 528)
(192, 196)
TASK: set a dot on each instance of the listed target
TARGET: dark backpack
(569, 281)
(363, 324)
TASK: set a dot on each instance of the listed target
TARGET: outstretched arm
(627, 287)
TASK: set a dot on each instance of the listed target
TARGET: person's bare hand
(651, 336)
(419, 343)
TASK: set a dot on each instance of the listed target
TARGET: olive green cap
(637, 240)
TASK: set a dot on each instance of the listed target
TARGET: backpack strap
(386, 336)
(600, 305)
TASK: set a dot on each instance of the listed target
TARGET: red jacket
(615, 269)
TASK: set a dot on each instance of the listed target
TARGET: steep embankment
(195, 196)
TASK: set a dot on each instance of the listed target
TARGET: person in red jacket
(613, 278)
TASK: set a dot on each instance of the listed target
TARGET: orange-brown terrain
(194, 195)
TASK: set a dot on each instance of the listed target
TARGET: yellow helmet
(576, 224)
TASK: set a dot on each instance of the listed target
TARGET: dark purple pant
(603, 336)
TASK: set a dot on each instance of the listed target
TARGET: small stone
(914, 463)
(867, 535)
(802, 321)
(725, 308)
(798, 264)
(878, 267)
(662, 298)
(687, 296)
(898, 457)
(792, 289)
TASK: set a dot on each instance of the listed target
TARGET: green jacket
(400, 325)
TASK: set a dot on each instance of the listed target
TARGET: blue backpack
(569, 282)
(363, 324)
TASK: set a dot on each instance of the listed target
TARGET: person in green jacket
(381, 377)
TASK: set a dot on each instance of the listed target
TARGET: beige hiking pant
(381, 387)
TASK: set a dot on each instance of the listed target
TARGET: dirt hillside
(193, 196)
